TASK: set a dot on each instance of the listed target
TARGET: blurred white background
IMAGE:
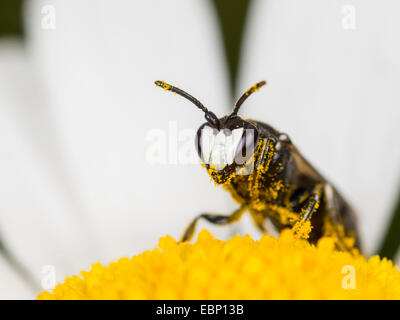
(77, 103)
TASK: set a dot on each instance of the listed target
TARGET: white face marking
(218, 148)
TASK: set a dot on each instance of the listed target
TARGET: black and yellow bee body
(268, 177)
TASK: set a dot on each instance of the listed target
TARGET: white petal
(334, 91)
(12, 286)
(99, 65)
(40, 219)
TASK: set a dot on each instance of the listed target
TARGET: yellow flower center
(240, 268)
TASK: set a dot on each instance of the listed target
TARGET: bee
(267, 176)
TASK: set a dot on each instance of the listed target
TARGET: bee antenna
(245, 96)
(210, 116)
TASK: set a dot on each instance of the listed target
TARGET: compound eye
(205, 138)
(246, 146)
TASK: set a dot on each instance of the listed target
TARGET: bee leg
(332, 224)
(312, 203)
(213, 218)
(332, 205)
(260, 166)
(259, 220)
(335, 225)
(263, 158)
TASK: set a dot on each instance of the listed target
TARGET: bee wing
(332, 71)
(303, 165)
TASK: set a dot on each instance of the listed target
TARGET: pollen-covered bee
(268, 177)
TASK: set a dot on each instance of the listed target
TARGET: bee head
(223, 144)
